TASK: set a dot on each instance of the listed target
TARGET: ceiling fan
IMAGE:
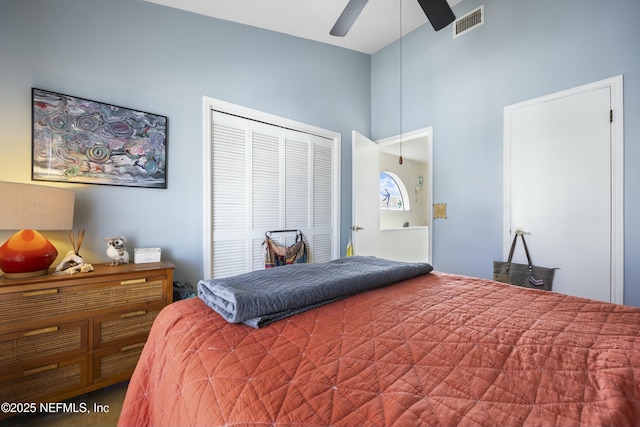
(438, 11)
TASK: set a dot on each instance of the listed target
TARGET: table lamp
(28, 207)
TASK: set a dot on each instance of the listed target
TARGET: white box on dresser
(143, 255)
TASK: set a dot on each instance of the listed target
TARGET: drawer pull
(133, 314)
(36, 293)
(39, 370)
(40, 331)
(132, 347)
(134, 281)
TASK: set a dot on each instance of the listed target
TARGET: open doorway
(405, 186)
(396, 225)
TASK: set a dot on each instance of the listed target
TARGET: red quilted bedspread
(437, 350)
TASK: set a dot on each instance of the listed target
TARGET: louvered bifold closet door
(266, 186)
(229, 188)
(296, 203)
(322, 201)
(267, 178)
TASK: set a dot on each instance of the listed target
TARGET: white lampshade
(35, 207)
(28, 208)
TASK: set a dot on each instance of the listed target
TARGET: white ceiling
(378, 25)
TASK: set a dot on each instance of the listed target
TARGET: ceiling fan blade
(439, 13)
(348, 17)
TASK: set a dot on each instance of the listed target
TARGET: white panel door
(561, 188)
(366, 187)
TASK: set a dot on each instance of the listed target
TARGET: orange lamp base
(26, 254)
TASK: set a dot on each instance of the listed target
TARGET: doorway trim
(617, 174)
(427, 133)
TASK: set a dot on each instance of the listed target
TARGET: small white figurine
(79, 268)
(116, 250)
(70, 260)
(73, 262)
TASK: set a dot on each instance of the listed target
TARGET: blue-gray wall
(162, 60)
(460, 86)
(157, 59)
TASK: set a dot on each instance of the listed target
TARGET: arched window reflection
(393, 193)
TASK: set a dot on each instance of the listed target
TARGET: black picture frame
(79, 140)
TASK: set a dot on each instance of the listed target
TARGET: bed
(432, 350)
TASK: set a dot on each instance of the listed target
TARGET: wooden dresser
(61, 336)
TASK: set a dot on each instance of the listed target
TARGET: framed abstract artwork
(84, 141)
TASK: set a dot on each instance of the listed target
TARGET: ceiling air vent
(468, 22)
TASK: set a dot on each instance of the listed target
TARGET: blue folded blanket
(264, 296)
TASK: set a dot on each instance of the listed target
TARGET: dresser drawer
(54, 301)
(117, 327)
(50, 342)
(119, 362)
(37, 383)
